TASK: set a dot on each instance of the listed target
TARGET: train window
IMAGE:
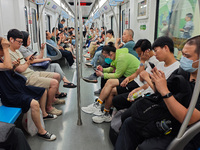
(34, 22)
(26, 18)
(112, 21)
(179, 20)
(48, 22)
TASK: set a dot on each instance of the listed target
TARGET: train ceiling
(86, 5)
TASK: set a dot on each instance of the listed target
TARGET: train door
(31, 22)
(125, 17)
(48, 22)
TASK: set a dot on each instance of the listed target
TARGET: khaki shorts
(40, 79)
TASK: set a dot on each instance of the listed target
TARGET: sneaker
(47, 136)
(88, 64)
(90, 109)
(50, 117)
(97, 92)
(87, 55)
(58, 102)
(98, 113)
(55, 111)
(106, 117)
(92, 79)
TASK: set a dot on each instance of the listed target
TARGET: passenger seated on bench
(65, 53)
(124, 65)
(53, 67)
(129, 136)
(164, 52)
(97, 54)
(43, 79)
(127, 38)
(15, 93)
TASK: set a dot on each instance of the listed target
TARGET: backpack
(115, 126)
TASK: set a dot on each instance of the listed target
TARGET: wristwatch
(167, 95)
(141, 64)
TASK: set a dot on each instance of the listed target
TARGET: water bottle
(136, 95)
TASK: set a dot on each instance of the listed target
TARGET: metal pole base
(79, 122)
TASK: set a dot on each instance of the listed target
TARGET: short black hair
(189, 15)
(53, 29)
(26, 35)
(103, 33)
(102, 27)
(91, 28)
(144, 44)
(63, 20)
(14, 33)
(162, 41)
(195, 41)
(109, 48)
(110, 31)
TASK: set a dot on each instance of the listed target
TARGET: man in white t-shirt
(164, 52)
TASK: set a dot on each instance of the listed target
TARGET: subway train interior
(108, 74)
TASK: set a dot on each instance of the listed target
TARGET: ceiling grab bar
(117, 35)
(81, 39)
(174, 144)
(38, 25)
(79, 122)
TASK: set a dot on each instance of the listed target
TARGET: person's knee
(56, 76)
(35, 105)
(111, 82)
(54, 83)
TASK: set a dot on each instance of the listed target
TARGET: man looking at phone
(46, 80)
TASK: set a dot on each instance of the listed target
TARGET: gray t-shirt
(26, 51)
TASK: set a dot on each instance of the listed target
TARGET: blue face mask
(186, 64)
(108, 60)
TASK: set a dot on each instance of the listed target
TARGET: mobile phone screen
(33, 55)
(152, 65)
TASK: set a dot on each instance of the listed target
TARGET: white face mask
(186, 64)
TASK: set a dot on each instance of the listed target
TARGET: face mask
(108, 60)
(186, 64)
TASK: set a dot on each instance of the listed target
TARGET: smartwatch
(167, 95)
(141, 64)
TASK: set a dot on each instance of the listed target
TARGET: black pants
(68, 56)
(128, 138)
(16, 141)
(84, 33)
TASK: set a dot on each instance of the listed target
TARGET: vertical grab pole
(117, 35)
(38, 26)
(81, 38)
(79, 122)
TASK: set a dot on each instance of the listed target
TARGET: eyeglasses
(20, 42)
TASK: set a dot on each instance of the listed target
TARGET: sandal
(61, 95)
(69, 85)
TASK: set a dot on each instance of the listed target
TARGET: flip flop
(69, 85)
(61, 95)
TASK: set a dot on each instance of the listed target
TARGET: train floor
(70, 136)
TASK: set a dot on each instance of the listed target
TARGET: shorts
(40, 79)
(130, 86)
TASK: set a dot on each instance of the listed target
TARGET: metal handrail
(38, 25)
(79, 122)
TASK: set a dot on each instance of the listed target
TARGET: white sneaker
(87, 55)
(90, 109)
(98, 112)
(103, 118)
(88, 64)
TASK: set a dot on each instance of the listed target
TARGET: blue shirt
(130, 45)
(50, 50)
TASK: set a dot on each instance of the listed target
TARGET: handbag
(6, 129)
(44, 64)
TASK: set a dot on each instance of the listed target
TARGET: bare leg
(51, 93)
(35, 114)
(42, 102)
(108, 102)
(110, 84)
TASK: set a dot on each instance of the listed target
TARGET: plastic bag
(29, 125)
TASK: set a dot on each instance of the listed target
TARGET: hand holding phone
(152, 65)
(33, 55)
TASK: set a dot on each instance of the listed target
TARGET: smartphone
(94, 69)
(152, 65)
(33, 55)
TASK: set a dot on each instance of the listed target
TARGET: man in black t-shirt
(60, 25)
